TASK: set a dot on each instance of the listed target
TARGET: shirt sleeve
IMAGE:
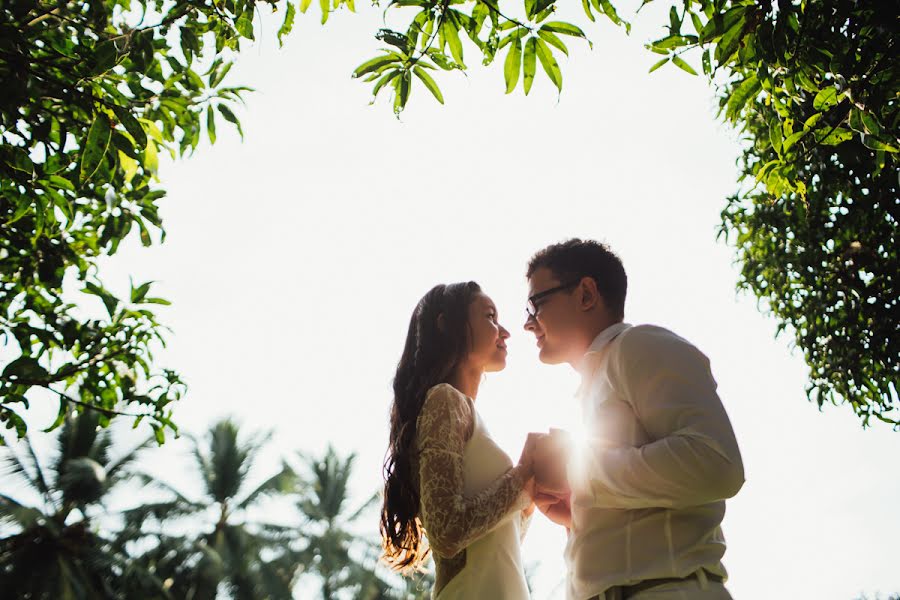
(452, 520)
(693, 458)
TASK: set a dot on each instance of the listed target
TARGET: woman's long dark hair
(429, 357)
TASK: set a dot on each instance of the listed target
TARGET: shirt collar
(596, 350)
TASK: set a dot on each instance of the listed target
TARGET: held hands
(546, 456)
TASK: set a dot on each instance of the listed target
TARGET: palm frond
(17, 468)
(151, 481)
(279, 483)
(116, 470)
(160, 512)
(13, 512)
(230, 458)
(373, 499)
(39, 478)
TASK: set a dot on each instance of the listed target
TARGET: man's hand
(551, 455)
(556, 508)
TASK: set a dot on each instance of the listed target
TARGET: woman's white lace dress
(471, 502)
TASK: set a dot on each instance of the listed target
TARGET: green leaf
(834, 137)
(189, 44)
(825, 99)
(401, 92)
(698, 24)
(211, 124)
(610, 12)
(586, 5)
(230, 117)
(151, 158)
(385, 79)
(870, 123)
(513, 63)
(720, 24)
(674, 20)
(552, 39)
(61, 182)
(25, 367)
(740, 96)
(873, 143)
(856, 122)
(244, 25)
(94, 146)
(304, 5)
(563, 28)
(62, 203)
(529, 63)
(140, 292)
(776, 135)
(288, 24)
(219, 75)
(21, 161)
(429, 83)
(658, 64)
(132, 126)
(791, 140)
(683, 65)
(22, 207)
(376, 63)
(545, 55)
(452, 36)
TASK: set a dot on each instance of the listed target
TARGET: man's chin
(549, 357)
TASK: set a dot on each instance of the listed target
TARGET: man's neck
(591, 333)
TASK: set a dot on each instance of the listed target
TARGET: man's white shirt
(656, 463)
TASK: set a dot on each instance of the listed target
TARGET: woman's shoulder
(445, 391)
(445, 401)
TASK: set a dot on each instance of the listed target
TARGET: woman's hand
(528, 459)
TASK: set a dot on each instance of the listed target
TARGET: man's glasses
(534, 302)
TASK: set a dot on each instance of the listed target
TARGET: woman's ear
(442, 323)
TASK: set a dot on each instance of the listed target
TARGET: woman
(445, 478)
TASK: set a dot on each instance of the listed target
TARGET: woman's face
(487, 347)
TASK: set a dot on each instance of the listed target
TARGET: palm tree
(341, 560)
(245, 560)
(55, 550)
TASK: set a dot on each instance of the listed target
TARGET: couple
(642, 499)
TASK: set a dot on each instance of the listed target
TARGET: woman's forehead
(482, 300)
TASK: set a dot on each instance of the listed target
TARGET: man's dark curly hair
(574, 259)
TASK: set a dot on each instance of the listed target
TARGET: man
(648, 488)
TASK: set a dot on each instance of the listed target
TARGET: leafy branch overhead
(91, 97)
(434, 41)
(92, 94)
(813, 85)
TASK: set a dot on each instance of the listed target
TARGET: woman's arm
(452, 520)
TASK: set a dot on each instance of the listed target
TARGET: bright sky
(294, 260)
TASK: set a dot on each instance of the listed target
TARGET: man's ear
(589, 295)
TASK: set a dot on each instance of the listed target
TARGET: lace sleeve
(524, 524)
(452, 521)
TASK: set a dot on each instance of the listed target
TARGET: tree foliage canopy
(97, 90)
(91, 93)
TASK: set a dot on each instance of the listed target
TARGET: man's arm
(694, 458)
